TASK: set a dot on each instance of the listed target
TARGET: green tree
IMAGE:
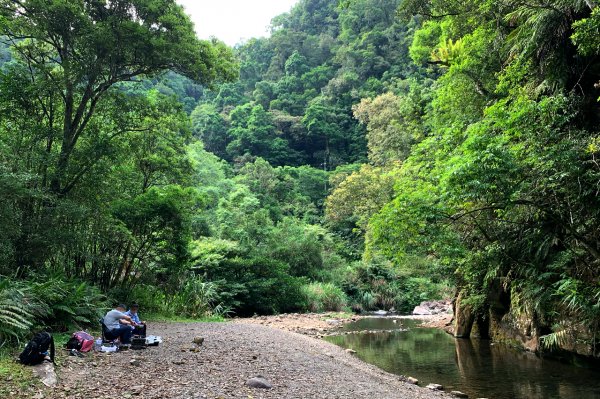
(253, 133)
(211, 128)
(99, 44)
(393, 124)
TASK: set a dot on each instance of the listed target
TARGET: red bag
(81, 341)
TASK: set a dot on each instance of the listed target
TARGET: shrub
(260, 285)
(248, 283)
(300, 245)
(381, 285)
(150, 298)
(47, 302)
(322, 297)
(68, 302)
(197, 299)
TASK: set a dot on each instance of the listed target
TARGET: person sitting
(118, 325)
(139, 327)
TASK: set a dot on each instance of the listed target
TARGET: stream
(475, 367)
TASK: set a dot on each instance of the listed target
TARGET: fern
(554, 340)
(15, 317)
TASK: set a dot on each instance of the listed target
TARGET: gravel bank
(312, 324)
(297, 366)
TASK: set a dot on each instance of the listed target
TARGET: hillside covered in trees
(369, 154)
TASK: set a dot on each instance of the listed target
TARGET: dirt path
(297, 366)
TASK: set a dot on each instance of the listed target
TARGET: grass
(338, 315)
(16, 381)
(60, 339)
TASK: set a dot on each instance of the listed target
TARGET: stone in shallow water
(435, 387)
(412, 380)
(259, 382)
(459, 394)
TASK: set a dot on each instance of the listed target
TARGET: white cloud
(234, 20)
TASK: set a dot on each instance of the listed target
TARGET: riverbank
(295, 365)
(319, 325)
(315, 325)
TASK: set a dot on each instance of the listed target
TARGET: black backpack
(33, 352)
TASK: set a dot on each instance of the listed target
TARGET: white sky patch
(234, 21)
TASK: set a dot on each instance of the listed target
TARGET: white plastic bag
(104, 348)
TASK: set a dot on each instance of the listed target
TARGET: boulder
(421, 311)
(380, 313)
(45, 372)
(259, 382)
(435, 387)
(463, 318)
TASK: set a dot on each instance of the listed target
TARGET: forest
(368, 154)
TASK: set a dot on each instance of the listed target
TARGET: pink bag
(86, 341)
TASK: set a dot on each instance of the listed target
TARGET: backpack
(81, 341)
(36, 349)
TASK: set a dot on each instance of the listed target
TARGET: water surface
(476, 367)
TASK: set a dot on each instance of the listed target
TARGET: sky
(234, 20)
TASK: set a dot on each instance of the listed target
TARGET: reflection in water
(472, 366)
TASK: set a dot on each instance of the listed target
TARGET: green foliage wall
(372, 154)
(320, 61)
(502, 188)
(94, 175)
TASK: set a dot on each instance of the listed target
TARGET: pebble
(259, 382)
(412, 380)
(296, 366)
